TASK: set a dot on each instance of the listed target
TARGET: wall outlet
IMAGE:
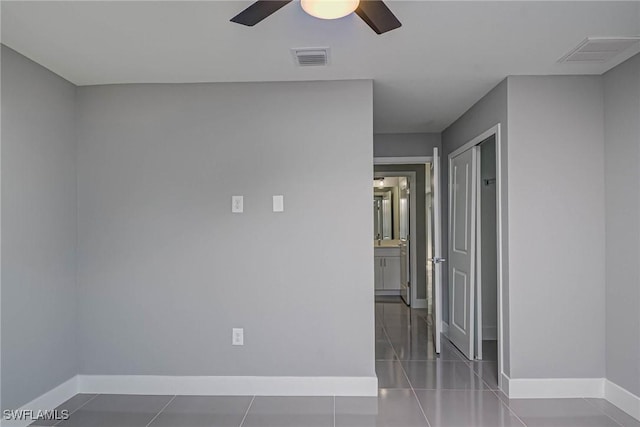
(237, 204)
(237, 336)
(278, 203)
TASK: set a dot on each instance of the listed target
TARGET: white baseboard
(393, 293)
(310, 386)
(419, 303)
(48, 401)
(489, 333)
(199, 385)
(622, 398)
(228, 386)
(504, 384)
(600, 388)
(539, 388)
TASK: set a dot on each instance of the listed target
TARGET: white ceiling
(444, 58)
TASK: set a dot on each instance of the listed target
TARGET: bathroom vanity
(387, 268)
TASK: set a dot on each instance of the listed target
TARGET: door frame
(423, 160)
(413, 221)
(501, 221)
(478, 291)
(436, 211)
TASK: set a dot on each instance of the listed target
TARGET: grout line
(78, 408)
(82, 406)
(334, 410)
(509, 408)
(409, 381)
(393, 388)
(163, 408)
(438, 360)
(247, 412)
(462, 359)
(481, 379)
(474, 390)
(413, 390)
(602, 411)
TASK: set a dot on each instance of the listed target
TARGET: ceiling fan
(374, 12)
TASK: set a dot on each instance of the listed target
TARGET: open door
(462, 249)
(405, 243)
(434, 264)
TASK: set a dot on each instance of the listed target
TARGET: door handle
(437, 260)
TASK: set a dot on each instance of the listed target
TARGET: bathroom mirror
(382, 215)
(390, 208)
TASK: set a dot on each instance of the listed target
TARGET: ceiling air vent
(311, 57)
(599, 49)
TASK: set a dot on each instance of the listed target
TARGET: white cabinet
(379, 273)
(391, 273)
(387, 269)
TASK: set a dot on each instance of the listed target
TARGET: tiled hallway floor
(417, 388)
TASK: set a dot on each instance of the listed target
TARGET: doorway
(475, 251)
(425, 290)
(486, 327)
(394, 218)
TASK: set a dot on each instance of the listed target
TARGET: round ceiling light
(329, 9)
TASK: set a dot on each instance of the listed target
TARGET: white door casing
(462, 224)
(413, 243)
(478, 259)
(435, 263)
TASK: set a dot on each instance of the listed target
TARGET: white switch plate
(237, 336)
(278, 203)
(237, 204)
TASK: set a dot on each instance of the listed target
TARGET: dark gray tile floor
(418, 388)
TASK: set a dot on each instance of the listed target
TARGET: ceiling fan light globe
(329, 9)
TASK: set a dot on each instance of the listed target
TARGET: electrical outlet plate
(237, 336)
(278, 203)
(237, 204)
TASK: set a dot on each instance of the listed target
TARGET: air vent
(311, 57)
(599, 49)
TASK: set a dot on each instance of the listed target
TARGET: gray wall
(405, 144)
(421, 221)
(556, 226)
(622, 181)
(166, 269)
(486, 113)
(39, 294)
(554, 200)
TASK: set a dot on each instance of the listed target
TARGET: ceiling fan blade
(378, 16)
(258, 11)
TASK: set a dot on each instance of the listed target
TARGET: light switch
(237, 336)
(278, 203)
(237, 204)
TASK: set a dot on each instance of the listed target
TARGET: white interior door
(462, 242)
(434, 264)
(405, 225)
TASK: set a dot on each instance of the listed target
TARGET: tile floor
(417, 388)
